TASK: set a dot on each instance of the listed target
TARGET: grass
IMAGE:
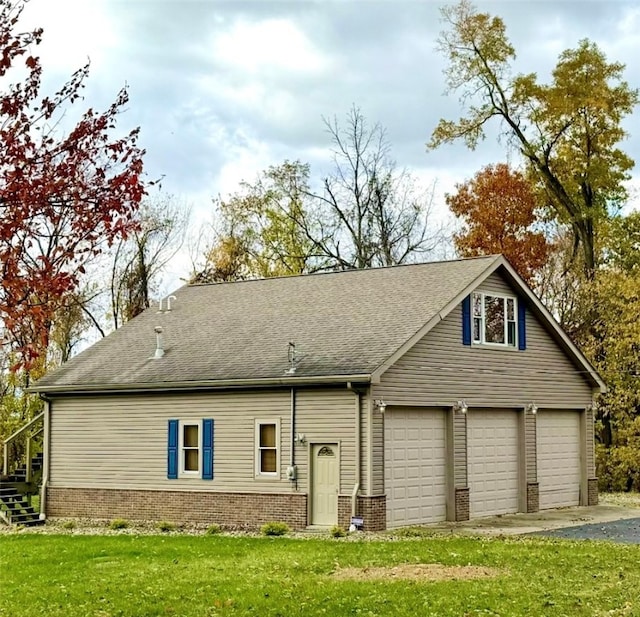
(125, 575)
(628, 500)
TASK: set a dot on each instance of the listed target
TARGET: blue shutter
(207, 449)
(522, 325)
(466, 321)
(172, 450)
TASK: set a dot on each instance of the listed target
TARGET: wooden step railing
(20, 448)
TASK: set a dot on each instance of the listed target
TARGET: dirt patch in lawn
(416, 572)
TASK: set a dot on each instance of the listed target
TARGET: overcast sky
(221, 89)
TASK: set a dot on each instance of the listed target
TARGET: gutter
(220, 384)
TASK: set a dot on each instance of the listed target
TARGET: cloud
(223, 89)
(272, 46)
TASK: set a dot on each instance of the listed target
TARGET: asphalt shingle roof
(342, 323)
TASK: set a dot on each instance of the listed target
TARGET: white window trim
(182, 473)
(482, 340)
(258, 472)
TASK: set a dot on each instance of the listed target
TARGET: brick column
(533, 497)
(462, 504)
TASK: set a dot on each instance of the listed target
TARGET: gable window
(190, 449)
(495, 320)
(267, 447)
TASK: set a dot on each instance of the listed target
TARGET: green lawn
(219, 575)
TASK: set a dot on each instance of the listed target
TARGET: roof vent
(159, 346)
(163, 310)
(291, 358)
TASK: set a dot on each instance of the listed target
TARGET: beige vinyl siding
(530, 453)
(371, 446)
(121, 441)
(439, 369)
(377, 452)
(326, 416)
(365, 423)
(459, 449)
(590, 445)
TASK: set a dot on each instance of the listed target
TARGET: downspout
(292, 456)
(358, 439)
(291, 472)
(46, 453)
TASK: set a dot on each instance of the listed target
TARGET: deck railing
(21, 447)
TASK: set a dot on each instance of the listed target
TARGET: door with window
(325, 484)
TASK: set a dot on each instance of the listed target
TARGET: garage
(415, 466)
(493, 462)
(558, 443)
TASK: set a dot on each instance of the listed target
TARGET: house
(399, 396)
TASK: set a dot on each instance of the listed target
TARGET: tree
(369, 213)
(622, 243)
(500, 214)
(259, 233)
(64, 196)
(567, 131)
(612, 343)
(139, 259)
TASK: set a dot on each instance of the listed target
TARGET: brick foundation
(462, 504)
(372, 509)
(344, 510)
(244, 510)
(374, 512)
(592, 492)
(533, 497)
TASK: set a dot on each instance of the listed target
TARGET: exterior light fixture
(460, 406)
(532, 408)
(380, 404)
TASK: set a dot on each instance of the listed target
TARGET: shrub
(275, 528)
(618, 468)
(337, 531)
(213, 530)
(118, 523)
(69, 525)
(166, 526)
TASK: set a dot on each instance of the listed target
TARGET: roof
(344, 325)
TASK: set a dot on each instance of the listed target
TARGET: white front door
(325, 484)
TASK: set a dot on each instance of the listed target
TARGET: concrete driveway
(611, 522)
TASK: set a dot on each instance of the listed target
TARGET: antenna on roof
(291, 358)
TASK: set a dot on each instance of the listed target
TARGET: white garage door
(492, 462)
(415, 463)
(558, 458)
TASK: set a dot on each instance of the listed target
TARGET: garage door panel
(559, 468)
(493, 462)
(415, 466)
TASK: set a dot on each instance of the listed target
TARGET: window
(494, 320)
(267, 450)
(190, 449)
